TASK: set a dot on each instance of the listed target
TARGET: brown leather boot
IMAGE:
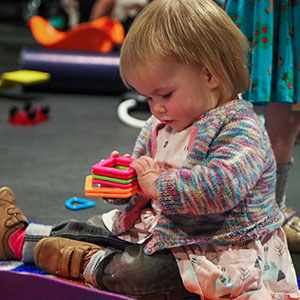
(11, 220)
(64, 257)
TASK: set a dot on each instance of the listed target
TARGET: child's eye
(166, 96)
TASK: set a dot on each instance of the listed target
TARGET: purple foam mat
(26, 286)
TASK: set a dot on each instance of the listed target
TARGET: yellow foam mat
(25, 77)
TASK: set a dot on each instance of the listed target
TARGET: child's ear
(211, 79)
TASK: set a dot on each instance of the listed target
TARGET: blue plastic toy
(76, 203)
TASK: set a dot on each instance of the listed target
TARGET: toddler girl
(206, 223)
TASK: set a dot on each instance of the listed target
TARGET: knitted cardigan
(225, 191)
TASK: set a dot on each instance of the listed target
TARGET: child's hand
(147, 173)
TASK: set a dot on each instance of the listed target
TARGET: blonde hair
(195, 32)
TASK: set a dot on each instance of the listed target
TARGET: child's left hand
(147, 173)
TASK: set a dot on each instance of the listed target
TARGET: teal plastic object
(76, 203)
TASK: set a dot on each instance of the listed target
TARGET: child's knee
(132, 272)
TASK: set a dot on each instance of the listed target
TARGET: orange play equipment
(100, 35)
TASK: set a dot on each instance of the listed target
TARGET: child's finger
(137, 166)
(114, 154)
(142, 164)
(147, 162)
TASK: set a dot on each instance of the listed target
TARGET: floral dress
(273, 31)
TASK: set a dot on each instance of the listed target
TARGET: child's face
(178, 94)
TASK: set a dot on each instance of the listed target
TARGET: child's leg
(88, 232)
(18, 239)
(129, 272)
(141, 276)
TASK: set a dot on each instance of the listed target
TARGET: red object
(16, 242)
(100, 35)
(29, 116)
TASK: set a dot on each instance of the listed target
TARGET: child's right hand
(147, 173)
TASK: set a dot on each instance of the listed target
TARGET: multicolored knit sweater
(225, 191)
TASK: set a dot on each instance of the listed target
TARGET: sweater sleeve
(235, 161)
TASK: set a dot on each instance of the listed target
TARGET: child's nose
(159, 108)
